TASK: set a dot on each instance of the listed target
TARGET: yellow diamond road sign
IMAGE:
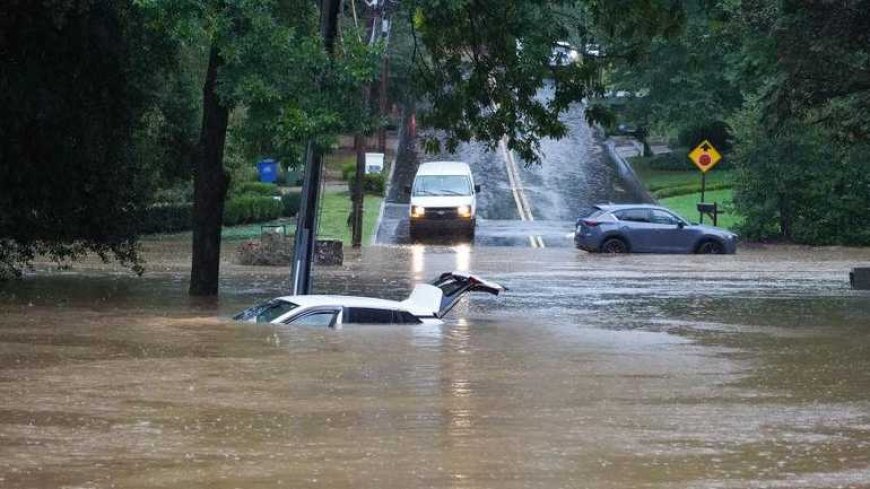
(705, 156)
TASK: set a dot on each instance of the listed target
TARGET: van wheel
(614, 245)
(710, 247)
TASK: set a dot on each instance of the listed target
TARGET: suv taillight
(590, 224)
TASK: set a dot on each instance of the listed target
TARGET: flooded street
(574, 175)
(738, 371)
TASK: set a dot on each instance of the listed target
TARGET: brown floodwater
(591, 372)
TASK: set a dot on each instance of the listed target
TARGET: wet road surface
(574, 174)
(593, 371)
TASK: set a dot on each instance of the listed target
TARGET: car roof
(617, 207)
(340, 301)
(444, 168)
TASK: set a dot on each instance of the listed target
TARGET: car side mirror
(407, 189)
(477, 188)
(681, 225)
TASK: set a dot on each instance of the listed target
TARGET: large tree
(73, 80)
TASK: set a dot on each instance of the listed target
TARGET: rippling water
(600, 372)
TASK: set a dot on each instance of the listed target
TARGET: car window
(317, 319)
(662, 217)
(405, 317)
(266, 312)
(441, 185)
(633, 215)
(368, 315)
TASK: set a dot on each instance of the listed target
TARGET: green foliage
(373, 183)
(675, 160)
(694, 188)
(479, 66)
(717, 132)
(348, 171)
(786, 76)
(173, 218)
(254, 188)
(247, 209)
(798, 184)
(166, 218)
(73, 80)
(290, 203)
(179, 193)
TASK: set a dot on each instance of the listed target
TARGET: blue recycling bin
(268, 170)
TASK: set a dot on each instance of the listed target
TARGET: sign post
(704, 156)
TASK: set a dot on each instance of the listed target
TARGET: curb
(627, 174)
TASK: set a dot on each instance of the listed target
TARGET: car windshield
(266, 312)
(442, 185)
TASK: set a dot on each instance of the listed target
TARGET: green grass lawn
(681, 190)
(333, 216)
(685, 205)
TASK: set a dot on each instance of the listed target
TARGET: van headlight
(464, 211)
(418, 211)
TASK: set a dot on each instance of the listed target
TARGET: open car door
(439, 297)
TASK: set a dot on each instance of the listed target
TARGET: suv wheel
(710, 247)
(614, 245)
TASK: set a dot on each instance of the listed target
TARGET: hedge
(173, 218)
(166, 218)
(689, 189)
(373, 183)
(254, 188)
(248, 209)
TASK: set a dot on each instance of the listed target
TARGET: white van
(443, 199)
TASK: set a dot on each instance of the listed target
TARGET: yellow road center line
(520, 198)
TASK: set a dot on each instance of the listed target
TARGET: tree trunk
(210, 186)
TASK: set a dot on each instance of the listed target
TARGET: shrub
(348, 171)
(247, 209)
(694, 188)
(177, 194)
(254, 188)
(373, 183)
(290, 203)
(166, 218)
(675, 160)
(291, 177)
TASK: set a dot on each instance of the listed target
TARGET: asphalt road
(522, 204)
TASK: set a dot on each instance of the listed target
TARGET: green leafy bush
(247, 209)
(254, 188)
(166, 218)
(689, 189)
(289, 178)
(373, 183)
(177, 194)
(290, 203)
(348, 171)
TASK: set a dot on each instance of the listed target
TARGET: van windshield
(442, 185)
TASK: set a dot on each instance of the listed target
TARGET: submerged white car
(428, 303)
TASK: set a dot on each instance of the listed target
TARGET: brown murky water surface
(598, 372)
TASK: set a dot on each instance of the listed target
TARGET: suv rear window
(633, 215)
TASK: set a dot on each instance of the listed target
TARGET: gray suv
(642, 228)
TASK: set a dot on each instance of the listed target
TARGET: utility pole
(306, 227)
